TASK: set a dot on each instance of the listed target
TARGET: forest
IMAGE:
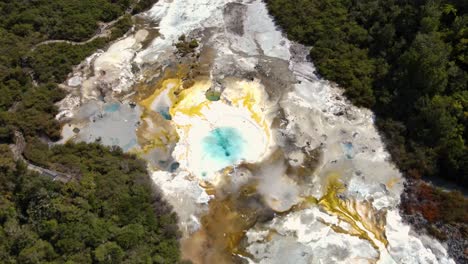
(109, 212)
(407, 61)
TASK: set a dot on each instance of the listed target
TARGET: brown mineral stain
(390, 183)
(223, 228)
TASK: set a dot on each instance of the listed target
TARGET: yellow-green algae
(353, 212)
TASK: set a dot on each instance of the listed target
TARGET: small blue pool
(224, 145)
(111, 108)
(348, 149)
(165, 113)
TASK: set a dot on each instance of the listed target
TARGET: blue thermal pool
(164, 112)
(224, 145)
(111, 108)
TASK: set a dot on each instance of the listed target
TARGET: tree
(108, 253)
(40, 252)
(423, 68)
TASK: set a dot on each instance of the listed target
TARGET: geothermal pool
(223, 146)
(263, 161)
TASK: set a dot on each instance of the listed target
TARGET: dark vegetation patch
(186, 46)
(109, 214)
(43, 59)
(143, 5)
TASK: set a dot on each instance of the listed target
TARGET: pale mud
(312, 182)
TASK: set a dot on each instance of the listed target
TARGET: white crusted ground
(316, 116)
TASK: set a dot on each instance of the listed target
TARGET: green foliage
(108, 253)
(108, 214)
(121, 27)
(213, 95)
(45, 58)
(143, 5)
(423, 67)
(59, 19)
(186, 46)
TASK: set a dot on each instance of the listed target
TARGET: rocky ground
(412, 210)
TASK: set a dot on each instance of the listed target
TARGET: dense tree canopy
(107, 214)
(59, 19)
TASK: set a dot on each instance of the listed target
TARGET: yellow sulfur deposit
(191, 101)
(364, 221)
(185, 117)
